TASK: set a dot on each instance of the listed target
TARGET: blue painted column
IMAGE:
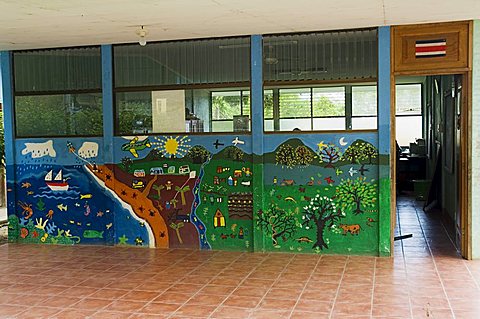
(108, 124)
(256, 96)
(9, 129)
(385, 131)
(107, 96)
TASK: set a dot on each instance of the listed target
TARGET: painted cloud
(88, 150)
(40, 149)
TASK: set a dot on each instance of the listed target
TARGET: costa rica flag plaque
(430, 48)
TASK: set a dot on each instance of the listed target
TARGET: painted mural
(320, 193)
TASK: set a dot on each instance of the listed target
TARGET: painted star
(122, 240)
(134, 195)
(141, 209)
(108, 177)
(124, 192)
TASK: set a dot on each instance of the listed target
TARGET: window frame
(54, 92)
(224, 87)
(315, 84)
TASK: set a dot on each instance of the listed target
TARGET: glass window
(408, 99)
(59, 115)
(205, 61)
(408, 129)
(364, 100)
(331, 55)
(182, 111)
(226, 104)
(326, 108)
(57, 92)
(295, 103)
(408, 104)
(268, 104)
(328, 101)
(55, 70)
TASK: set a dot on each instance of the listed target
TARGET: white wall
(475, 146)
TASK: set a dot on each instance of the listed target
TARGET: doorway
(429, 112)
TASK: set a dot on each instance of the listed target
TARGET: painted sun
(171, 146)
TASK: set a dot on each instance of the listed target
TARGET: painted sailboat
(56, 184)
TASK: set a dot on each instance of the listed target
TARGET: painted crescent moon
(342, 141)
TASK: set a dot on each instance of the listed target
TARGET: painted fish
(26, 185)
(24, 232)
(92, 234)
(85, 196)
(108, 226)
(304, 240)
(62, 207)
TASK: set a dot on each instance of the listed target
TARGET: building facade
(281, 142)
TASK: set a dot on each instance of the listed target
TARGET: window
(327, 108)
(321, 56)
(59, 115)
(230, 111)
(156, 87)
(408, 104)
(182, 111)
(58, 92)
(364, 107)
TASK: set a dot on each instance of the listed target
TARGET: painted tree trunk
(358, 210)
(320, 243)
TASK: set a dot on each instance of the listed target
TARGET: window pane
(331, 55)
(180, 111)
(59, 115)
(291, 124)
(364, 123)
(327, 124)
(408, 128)
(225, 105)
(58, 70)
(246, 102)
(295, 103)
(408, 99)
(204, 61)
(329, 101)
(268, 125)
(222, 126)
(364, 100)
(268, 104)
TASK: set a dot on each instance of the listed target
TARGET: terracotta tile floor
(426, 279)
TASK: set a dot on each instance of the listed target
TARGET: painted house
(320, 129)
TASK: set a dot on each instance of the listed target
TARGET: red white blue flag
(430, 48)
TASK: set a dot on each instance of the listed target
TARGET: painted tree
(158, 189)
(303, 156)
(356, 193)
(321, 212)
(182, 191)
(285, 156)
(234, 153)
(369, 152)
(354, 153)
(198, 154)
(277, 223)
(329, 154)
(127, 162)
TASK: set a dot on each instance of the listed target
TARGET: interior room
(428, 117)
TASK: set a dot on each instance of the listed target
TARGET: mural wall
(320, 193)
(161, 191)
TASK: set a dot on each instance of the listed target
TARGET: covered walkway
(426, 279)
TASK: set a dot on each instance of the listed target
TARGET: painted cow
(353, 229)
